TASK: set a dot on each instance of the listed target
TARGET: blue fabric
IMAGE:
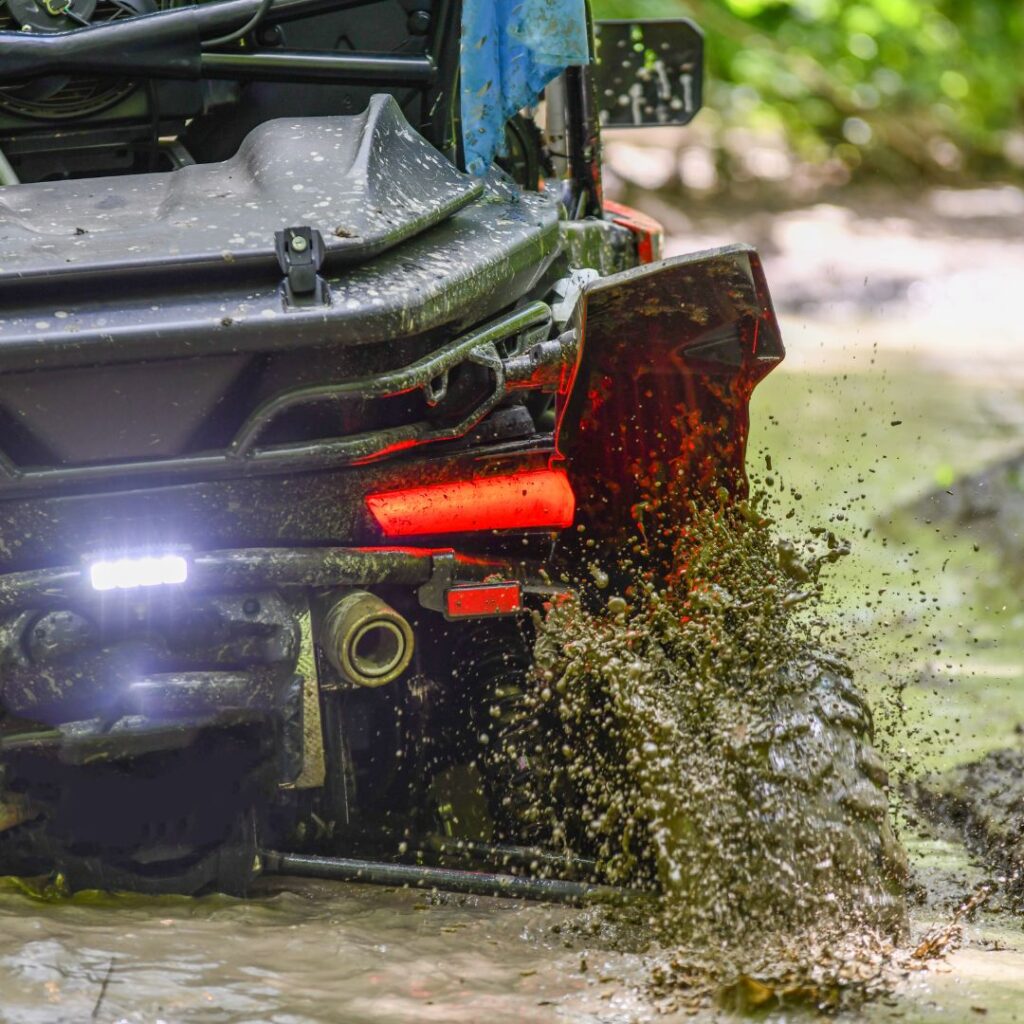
(511, 49)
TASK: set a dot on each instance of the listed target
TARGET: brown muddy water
(922, 612)
(300, 952)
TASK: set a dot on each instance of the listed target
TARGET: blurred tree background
(820, 92)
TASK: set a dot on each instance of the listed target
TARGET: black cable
(251, 24)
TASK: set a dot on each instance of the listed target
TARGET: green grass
(927, 619)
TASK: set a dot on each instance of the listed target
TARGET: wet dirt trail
(885, 417)
(301, 952)
(873, 413)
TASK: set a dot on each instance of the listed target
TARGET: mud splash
(692, 739)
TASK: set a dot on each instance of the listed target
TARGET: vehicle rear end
(299, 420)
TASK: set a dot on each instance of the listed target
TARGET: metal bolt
(419, 23)
(271, 35)
(299, 243)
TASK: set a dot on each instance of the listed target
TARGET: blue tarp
(511, 49)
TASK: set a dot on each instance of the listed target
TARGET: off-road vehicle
(323, 363)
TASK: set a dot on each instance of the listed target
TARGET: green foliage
(898, 88)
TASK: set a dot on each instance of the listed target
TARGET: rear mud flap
(656, 412)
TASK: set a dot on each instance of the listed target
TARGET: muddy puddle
(296, 952)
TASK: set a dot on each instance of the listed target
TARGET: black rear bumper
(118, 674)
(244, 569)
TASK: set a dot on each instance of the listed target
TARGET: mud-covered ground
(906, 371)
(901, 418)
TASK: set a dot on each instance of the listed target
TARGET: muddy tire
(228, 865)
(820, 747)
(183, 822)
(812, 779)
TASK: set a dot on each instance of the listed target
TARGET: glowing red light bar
(480, 599)
(539, 498)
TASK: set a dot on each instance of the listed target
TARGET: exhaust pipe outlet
(366, 640)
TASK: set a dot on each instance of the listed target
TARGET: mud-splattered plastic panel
(657, 414)
(365, 182)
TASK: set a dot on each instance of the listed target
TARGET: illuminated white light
(148, 571)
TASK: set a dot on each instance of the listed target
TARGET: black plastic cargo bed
(365, 182)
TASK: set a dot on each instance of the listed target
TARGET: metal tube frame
(584, 192)
(244, 568)
(475, 883)
(530, 324)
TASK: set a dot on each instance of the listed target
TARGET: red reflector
(483, 599)
(513, 501)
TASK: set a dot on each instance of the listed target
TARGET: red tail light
(540, 498)
(483, 600)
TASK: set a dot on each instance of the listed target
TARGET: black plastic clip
(300, 252)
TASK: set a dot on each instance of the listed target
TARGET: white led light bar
(148, 571)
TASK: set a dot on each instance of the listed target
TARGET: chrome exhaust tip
(366, 640)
